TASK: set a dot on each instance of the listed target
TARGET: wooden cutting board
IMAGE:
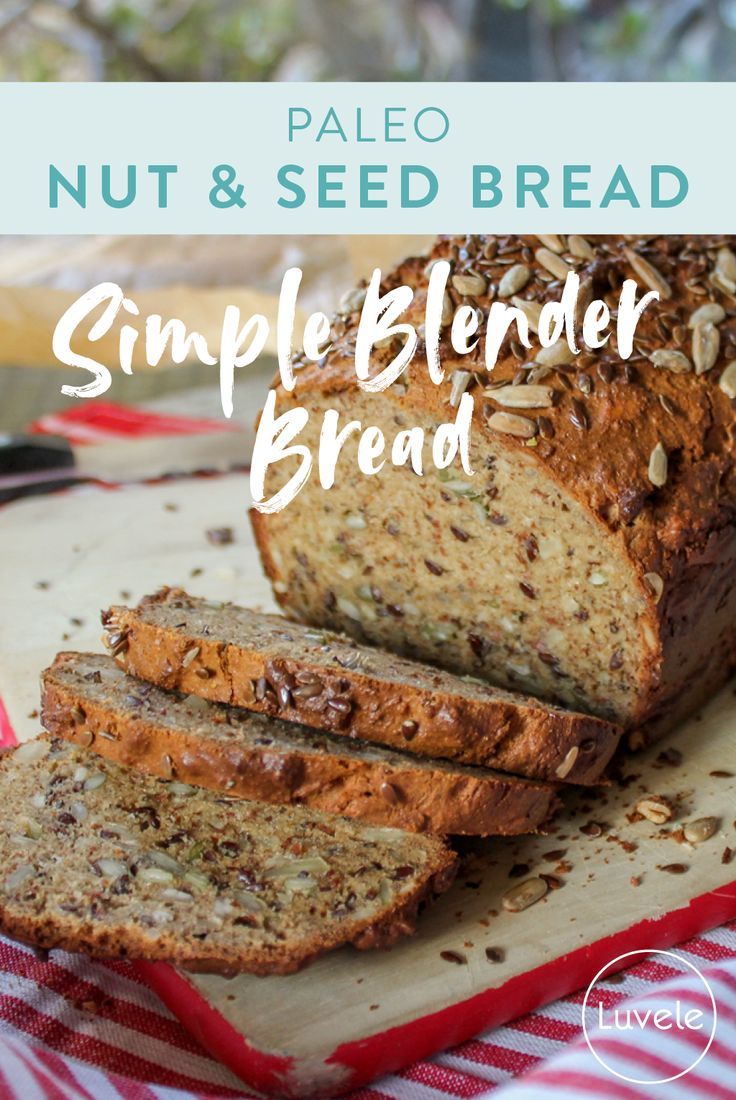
(352, 1016)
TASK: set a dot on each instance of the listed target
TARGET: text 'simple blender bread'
(591, 557)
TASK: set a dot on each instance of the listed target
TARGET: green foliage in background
(367, 39)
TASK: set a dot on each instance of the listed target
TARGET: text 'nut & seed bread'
(591, 557)
(101, 859)
(89, 700)
(263, 662)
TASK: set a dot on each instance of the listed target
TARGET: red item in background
(102, 421)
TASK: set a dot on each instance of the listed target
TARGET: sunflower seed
(648, 273)
(655, 584)
(352, 300)
(290, 868)
(555, 355)
(580, 248)
(513, 425)
(523, 397)
(513, 280)
(675, 361)
(658, 463)
(710, 313)
(706, 345)
(155, 874)
(524, 894)
(727, 381)
(568, 763)
(654, 809)
(531, 310)
(695, 832)
(552, 263)
(189, 656)
(448, 311)
(726, 265)
(111, 868)
(19, 876)
(538, 373)
(31, 751)
(459, 380)
(176, 895)
(551, 241)
(470, 284)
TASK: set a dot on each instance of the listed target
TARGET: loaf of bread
(590, 558)
(101, 859)
(231, 654)
(89, 700)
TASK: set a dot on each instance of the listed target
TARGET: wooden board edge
(278, 1074)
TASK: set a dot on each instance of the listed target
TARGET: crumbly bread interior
(502, 575)
(277, 637)
(97, 858)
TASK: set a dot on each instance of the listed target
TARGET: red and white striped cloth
(73, 1029)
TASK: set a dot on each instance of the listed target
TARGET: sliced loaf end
(97, 858)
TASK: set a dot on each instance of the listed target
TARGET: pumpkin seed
(695, 832)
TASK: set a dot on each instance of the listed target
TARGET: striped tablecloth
(72, 1028)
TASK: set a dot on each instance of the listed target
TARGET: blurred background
(191, 278)
(284, 40)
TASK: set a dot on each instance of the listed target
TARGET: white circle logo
(662, 1013)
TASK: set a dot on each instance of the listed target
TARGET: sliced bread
(89, 700)
(101, 859)
(266, 663)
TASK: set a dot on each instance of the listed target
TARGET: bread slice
(101, 859)
(89, 700)
(266, 663)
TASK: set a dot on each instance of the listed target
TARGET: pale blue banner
(366, 158)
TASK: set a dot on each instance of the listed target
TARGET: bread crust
(400, 794)
(519, 736)
(683, 532)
